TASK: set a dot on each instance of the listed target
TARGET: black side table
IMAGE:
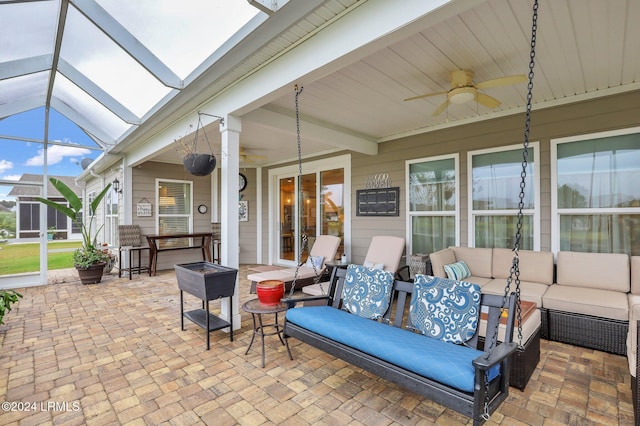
(257, 309)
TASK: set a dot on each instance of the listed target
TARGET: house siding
(607, 113)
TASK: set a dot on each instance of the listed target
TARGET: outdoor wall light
(116, 186)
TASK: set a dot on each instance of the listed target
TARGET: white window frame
(535, 212)
(555, 214)
(159, 215)
(455, 213)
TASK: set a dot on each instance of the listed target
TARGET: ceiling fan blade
(426, 96)
(441, 108)
(487, 100)
(502, 81)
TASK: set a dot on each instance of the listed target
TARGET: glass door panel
(285, 238)
(332, 207)
(309, 211)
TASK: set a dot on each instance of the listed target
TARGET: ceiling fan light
(461, 95)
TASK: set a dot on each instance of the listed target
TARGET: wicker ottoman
(526, 358)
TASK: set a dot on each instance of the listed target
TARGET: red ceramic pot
(270, 292)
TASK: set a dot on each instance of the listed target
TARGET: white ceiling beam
(313, 131)
(123, 38)
(21, 105)
(267, 6)
(25, 66)
(101, 138)
(96, 92)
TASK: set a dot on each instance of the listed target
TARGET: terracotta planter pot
(270, 292)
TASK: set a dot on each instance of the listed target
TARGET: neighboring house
(28, 208)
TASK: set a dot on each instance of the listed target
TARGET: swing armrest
(292, 301)
(497, 355)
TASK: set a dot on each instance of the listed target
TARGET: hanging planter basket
(199, 164)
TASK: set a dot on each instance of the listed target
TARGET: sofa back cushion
(440, 258)
(635, 274)
(477, 259)
(535, 266)
(606, 271)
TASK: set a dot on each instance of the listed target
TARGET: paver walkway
(113, 353)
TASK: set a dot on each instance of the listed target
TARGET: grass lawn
(19, 258)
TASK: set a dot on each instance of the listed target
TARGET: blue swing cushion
(367, 292)
(445, 309)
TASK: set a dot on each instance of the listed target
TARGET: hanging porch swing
(479, 402)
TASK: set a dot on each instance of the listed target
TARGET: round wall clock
(242, 180)
(202, 209)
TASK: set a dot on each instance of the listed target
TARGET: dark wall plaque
(378, 202)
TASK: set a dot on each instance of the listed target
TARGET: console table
(201, 240)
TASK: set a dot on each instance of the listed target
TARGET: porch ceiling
(585, 49)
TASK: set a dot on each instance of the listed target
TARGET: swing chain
(304, 238)
(515, 266)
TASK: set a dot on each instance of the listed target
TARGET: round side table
(257, 309)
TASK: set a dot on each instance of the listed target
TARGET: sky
(17, 157)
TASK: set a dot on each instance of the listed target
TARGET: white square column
(230, 232)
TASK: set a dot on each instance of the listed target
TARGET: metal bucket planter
(199, 164)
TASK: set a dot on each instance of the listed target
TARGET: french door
(316, 203)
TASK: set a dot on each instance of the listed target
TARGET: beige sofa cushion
(632, 336)
(477, 259)
(439, 259)
(588, 301)
(608, 271)
(535, 266)
(529, 291)
(529, 327)
(635, 274)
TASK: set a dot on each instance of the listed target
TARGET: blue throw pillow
(367, 292)
(445, 309)
(457, 271)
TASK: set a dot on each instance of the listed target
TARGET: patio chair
(384, 252)
(131, 242)
(325, 246)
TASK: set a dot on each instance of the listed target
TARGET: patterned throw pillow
(445, 309)
(367, 292)
(457, 271)
(371, 265)
(314, 261)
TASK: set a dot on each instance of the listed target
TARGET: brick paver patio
(113, 353)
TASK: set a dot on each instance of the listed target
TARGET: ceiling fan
(464, 90)
(246, 157)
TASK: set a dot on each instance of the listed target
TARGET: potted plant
(7, 298)
(111, 258)
(51, 232)
(196, 163)
(89, 259)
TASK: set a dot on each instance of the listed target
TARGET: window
(432, 203)
(90, 197)
(29, 216)
(111, 220)
(494, 186)
(173, 199)
(596, 196)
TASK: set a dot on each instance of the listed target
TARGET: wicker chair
(131, 242)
